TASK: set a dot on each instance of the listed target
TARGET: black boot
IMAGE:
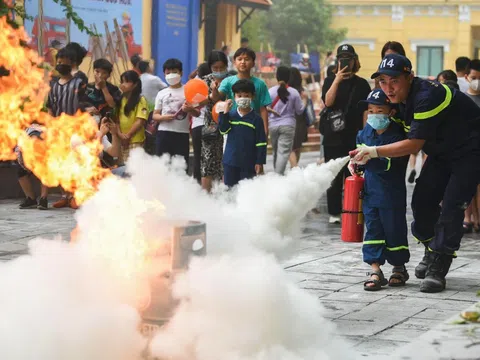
(422, 266)
(437, 270)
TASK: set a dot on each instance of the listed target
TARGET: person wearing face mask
(171, 112)
(342, 119)
(246, 148)
(211, 167)
(471, 221)
(385, 192)
(66, 96)
(445, 123)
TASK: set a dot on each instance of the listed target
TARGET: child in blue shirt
(384, 202)
(246, 148)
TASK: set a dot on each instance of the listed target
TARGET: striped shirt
(66, 98)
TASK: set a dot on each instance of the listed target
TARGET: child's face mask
(475, 85)
(243, 102)
(378, 121)
(173, 78)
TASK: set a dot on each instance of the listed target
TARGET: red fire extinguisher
(352, 214)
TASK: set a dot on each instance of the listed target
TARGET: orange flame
(22, 93)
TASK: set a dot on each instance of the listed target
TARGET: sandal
(467, 227)
(476, 227)
(398, 273)
(377, 283)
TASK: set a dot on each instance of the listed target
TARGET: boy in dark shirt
(246, 148)
(384, 202)
(101, 95)
(66, 96)
(67, 93)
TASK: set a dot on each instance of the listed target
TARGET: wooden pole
(111, 50)
(121, 44)
(67, 29)
(40, 28)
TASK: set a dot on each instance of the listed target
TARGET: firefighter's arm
(400, 148)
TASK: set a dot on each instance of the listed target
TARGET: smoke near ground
(78, 301)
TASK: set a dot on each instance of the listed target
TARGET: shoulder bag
(336, 119)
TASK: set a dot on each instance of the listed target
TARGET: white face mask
(244, 103)
(173, 79)
(475, 85)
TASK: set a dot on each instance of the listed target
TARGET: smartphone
(108, 115)
(180, 114)
(344, 62)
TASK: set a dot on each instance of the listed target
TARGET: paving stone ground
(378, 324)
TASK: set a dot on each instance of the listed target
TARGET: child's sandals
(377, 282)
(400, 274)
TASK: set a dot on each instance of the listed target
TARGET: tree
(8, 9)
(292, 22)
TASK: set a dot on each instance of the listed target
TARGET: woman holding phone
(343, 118)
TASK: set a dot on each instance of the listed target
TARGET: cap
(305, 56)
(346, 50)
(376, 97)
(393, 65)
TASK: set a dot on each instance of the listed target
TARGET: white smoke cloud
(245, 308)
(67, 301)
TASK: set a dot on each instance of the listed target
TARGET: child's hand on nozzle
(351, 168)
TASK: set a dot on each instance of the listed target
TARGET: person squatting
(445, 124)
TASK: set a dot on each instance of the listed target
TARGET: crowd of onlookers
(144, 111)
(229, 144)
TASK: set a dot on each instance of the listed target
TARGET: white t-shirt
(105, 143)
(169, 101)
(200, 120)
(151, 86)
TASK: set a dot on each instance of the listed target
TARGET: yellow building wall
(426, 23)
(201, 38)
(227, 26)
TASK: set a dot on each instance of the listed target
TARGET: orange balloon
(215, 113)
(196, 91)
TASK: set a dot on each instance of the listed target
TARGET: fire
(22, 94)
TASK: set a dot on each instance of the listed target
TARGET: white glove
(351, 168)
(363, 154)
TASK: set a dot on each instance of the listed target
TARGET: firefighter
(445, 124)
(384, 201)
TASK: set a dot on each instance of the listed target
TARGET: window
(429, 60)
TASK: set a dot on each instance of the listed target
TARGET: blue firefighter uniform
(246, 145)
(384, 204)
(449, 122)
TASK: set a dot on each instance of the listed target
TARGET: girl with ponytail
(286, 104)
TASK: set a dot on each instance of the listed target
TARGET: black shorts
(22, 171)
(173, 143)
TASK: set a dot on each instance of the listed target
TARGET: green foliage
(67, 9)
(73, 16)
(292, 22)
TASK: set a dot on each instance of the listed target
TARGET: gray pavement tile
(299, 276)
(340, 278)
(363, 297)
(336, 309)
(453, 304)
(440, 314)
(378, 347)
(359, 328)
(11, 247)
(323, 285)
(387, 314)
(318, 293)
